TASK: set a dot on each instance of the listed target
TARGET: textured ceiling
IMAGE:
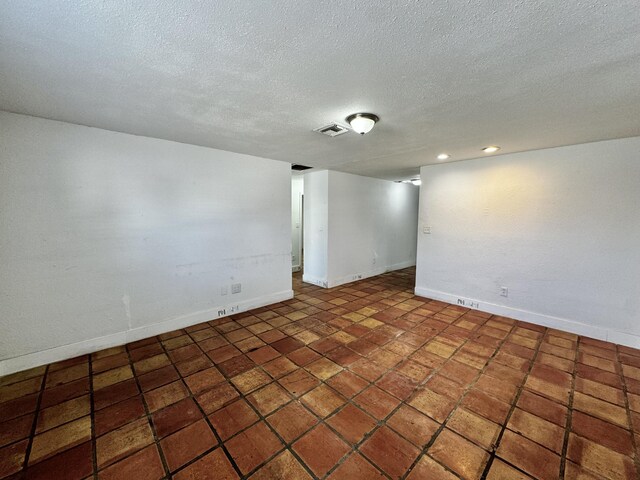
(256, 77)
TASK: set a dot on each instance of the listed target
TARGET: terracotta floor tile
(158, 378)
(352, 423)
(251, 380)
(212, 466)
(12, 458)
(23, 375)
(458, 454)
(413, 425)
(323, 400)
(62, 413)
(599, 459)
(473, 427)
(184, 445)
(18, 407)
(175, 417)
(367, 369)
(303, 356)
(408, 359)
(299, 382)
(284, 466)
(604, 433)
(114, 394)
(254, 446)
(601, 391)
(323, 368)
(142, 465)
(192, 365)
(110, 377)
(279, 367)
(115, 416)
(393, 454)
(15, 429)
(543, 408)
(529, 456)
(204, 380)
(146, 351)
(320, 449)
(287, 345)
(269, 398)
(428, 469)
(151, 363)
(217, 397)
(55, 378)
(292, 421)
(236, 366)
(73, 464)
(356, 467)
(486, 406)
(223, 353)
(234, 417)
(108, 363)
(165, 395)
(501, 471)
(433, 404)
(263, 354)
(125, 440)
(376, 402)
(60, 438)
(598, 408)
(397, 385)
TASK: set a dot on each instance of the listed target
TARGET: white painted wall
(371, 227)
(559, 227)
(297, 190)
(316, 222)
(108, 237)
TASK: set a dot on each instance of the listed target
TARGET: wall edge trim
(600, 333)
(63, 352)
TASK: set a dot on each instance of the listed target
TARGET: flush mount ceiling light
(362, 122)
(416, 181)
(444, 156)
(491, 149)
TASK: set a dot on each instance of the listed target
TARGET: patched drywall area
(370, 228)
(548, 236)
(108, 238)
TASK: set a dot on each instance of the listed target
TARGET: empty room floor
(362, 381)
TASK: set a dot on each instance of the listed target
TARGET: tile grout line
(512, 408)
(204, 414)
(32, 433)
(569, 421)
(149, 419)
(94, 450)
(442, 426)
(634, 443)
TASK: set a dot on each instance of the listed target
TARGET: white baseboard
(320, 282)
(56, 354)
(371, 273)
(571, 326)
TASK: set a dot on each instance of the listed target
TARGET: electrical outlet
(426, 229)
(236, 288)
(504, 291)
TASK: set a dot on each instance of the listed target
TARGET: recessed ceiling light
(491, 149)
(444, 156)
(362, 122)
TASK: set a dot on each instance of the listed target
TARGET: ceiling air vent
(299, 168)
(333, 130)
